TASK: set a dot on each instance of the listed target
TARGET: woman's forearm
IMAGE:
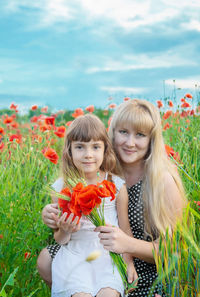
(141, 249)
(61, 236)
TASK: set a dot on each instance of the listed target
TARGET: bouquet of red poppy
(82, 199)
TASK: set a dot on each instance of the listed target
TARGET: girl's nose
(88, 153)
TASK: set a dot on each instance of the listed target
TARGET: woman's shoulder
(58, 184)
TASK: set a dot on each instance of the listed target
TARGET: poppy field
(30, 156)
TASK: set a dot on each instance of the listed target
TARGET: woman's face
(130, 145)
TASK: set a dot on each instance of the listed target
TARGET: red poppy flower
(50, 154)
(34, 107)
(50, 120)
(14, 125)
(169, 150)
(198, 203)
(185, 105)
(182, 99)
(170, 103)
(1, 146)
(44, 109)
(111, 188)
(167, 126)
(184, 114)
(68, 123)
(112, 106)
(86, 199)
(27, 255)
(2, 131)
(188, 96)
(13, 106)
(90, 108)
(45, 127)
(18, 138)
(127, 99)
(34, 119)
(78, 112)
(60, 131)
(167, 114)
(1, 236)
(8, 120)
(159, 104)
(191, 112)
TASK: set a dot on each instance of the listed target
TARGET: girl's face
(88, 156)
(130, 145)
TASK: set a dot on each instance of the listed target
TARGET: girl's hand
(50, 215)
(67, 225)
(113, 239)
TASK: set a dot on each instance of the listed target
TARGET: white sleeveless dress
(70, 272)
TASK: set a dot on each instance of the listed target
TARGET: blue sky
(73, 53)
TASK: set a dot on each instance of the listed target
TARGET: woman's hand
(67, 225)
(50, 215)
(114, 239)
(131, 274)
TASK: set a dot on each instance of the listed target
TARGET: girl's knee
(81, 295)
(108, 292)
(44, 262)
(44, 259)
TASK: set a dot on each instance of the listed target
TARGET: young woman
(156, 195)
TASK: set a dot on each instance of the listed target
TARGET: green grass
(25, 172)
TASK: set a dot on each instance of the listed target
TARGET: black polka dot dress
(146, 271)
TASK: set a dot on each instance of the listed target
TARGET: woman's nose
(130, 140)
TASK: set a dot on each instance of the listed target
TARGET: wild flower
(50, 154)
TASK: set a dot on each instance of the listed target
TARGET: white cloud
(186, 83)
(127, 14)
(192, 25)
(166, 59)
(126, 90)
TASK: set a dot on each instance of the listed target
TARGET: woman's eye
(122, 131)
(140, 134)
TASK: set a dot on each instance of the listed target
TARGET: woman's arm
(116, 240)
(121, 240)
(122, 212)
(50, 213)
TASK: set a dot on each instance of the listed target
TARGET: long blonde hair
(143, 116)
(86, 128)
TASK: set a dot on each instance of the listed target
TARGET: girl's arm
(115, 240)
(65, 228)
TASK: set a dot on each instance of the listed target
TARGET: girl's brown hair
(86, 128)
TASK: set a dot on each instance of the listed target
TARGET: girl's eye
(96, 147)
(78, 147)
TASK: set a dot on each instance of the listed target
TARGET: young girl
(156, 195)
(87, 149)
